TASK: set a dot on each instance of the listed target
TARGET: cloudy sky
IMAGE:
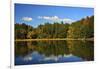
(39, 14)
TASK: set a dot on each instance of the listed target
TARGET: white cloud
(28, 19)
(48, 18)
(56, 18)
(66, 20)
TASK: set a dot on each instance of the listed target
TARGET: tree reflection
(83, 49)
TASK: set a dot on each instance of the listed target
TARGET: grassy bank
(90, 39)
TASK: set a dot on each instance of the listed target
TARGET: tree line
(83, 28)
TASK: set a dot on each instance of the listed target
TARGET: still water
(41, 52)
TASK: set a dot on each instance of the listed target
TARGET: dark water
(41, 52)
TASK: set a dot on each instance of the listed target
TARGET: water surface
(41, 52)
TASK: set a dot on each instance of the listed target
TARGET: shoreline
(88, 39)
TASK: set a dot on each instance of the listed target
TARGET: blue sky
(35, 15)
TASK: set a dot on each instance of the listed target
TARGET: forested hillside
(83, 28)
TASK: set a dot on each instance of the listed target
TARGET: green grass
(53, 39)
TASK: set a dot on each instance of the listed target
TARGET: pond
(53, 51)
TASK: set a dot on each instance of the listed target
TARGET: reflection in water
(39, 52)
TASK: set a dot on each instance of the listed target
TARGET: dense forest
(83, 28)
